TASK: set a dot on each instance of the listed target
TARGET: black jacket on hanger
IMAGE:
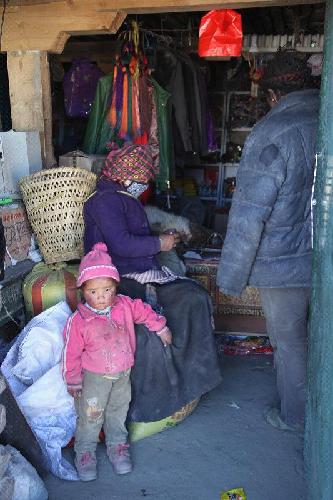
(169, 74)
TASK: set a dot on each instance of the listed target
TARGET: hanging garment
(79, 86)
(192, 101)
(153, 131)
(169, 74)
(204, 106)
(163, 114)
(99, 132)
(130, 101)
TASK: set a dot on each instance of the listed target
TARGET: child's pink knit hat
(97, 264)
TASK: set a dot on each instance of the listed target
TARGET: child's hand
(75, 393)
(165, 336)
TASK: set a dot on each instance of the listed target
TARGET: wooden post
(30, 97)
(28, 35)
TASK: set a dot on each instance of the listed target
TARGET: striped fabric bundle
(46, 285)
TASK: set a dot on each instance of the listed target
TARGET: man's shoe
(273, 417)
(120, 458)
(86, 466)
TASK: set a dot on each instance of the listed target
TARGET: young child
(97, 360)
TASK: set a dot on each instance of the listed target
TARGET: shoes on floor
(86, 466)
(119, 456)
(273, 417)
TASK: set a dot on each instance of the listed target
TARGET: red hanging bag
(220, 34)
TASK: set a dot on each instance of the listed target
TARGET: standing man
(268, 241)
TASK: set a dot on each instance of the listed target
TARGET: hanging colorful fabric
(220, 34)
(113, 112)
(130, 103)
(124, 113)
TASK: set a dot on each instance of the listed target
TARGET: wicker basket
(54, 201)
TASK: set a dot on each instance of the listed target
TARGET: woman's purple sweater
(120, 221)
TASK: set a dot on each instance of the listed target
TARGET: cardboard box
(17, 232)
(20, 155)
(93, 163)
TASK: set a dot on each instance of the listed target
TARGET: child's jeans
(104, 401)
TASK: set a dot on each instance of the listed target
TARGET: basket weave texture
(54, 201)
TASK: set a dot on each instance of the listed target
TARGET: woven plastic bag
(50, 414)
(19, 480)
(220, 34)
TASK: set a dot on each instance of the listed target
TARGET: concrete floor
(224, 444)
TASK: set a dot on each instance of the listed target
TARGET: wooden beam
(47, 27)
(30, 97)
(99, 51)
(150, 6)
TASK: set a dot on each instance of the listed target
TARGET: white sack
(46, 396)
(42, 346)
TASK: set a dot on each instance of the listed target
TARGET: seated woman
(164, 378)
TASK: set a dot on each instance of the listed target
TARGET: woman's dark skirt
(164, 379)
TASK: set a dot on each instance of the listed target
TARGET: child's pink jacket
(105, 344)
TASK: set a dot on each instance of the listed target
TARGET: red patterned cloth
(130, 162)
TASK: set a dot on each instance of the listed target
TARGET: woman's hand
(169, 241)
(165, 335)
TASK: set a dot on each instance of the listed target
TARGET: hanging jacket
(268, 241)
(192, 101)
(79, 85)
(99, 133)
(166, 165)
(169, 74)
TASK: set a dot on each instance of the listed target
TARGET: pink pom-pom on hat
(97, 264)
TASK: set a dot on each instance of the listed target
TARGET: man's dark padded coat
(268, 241)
